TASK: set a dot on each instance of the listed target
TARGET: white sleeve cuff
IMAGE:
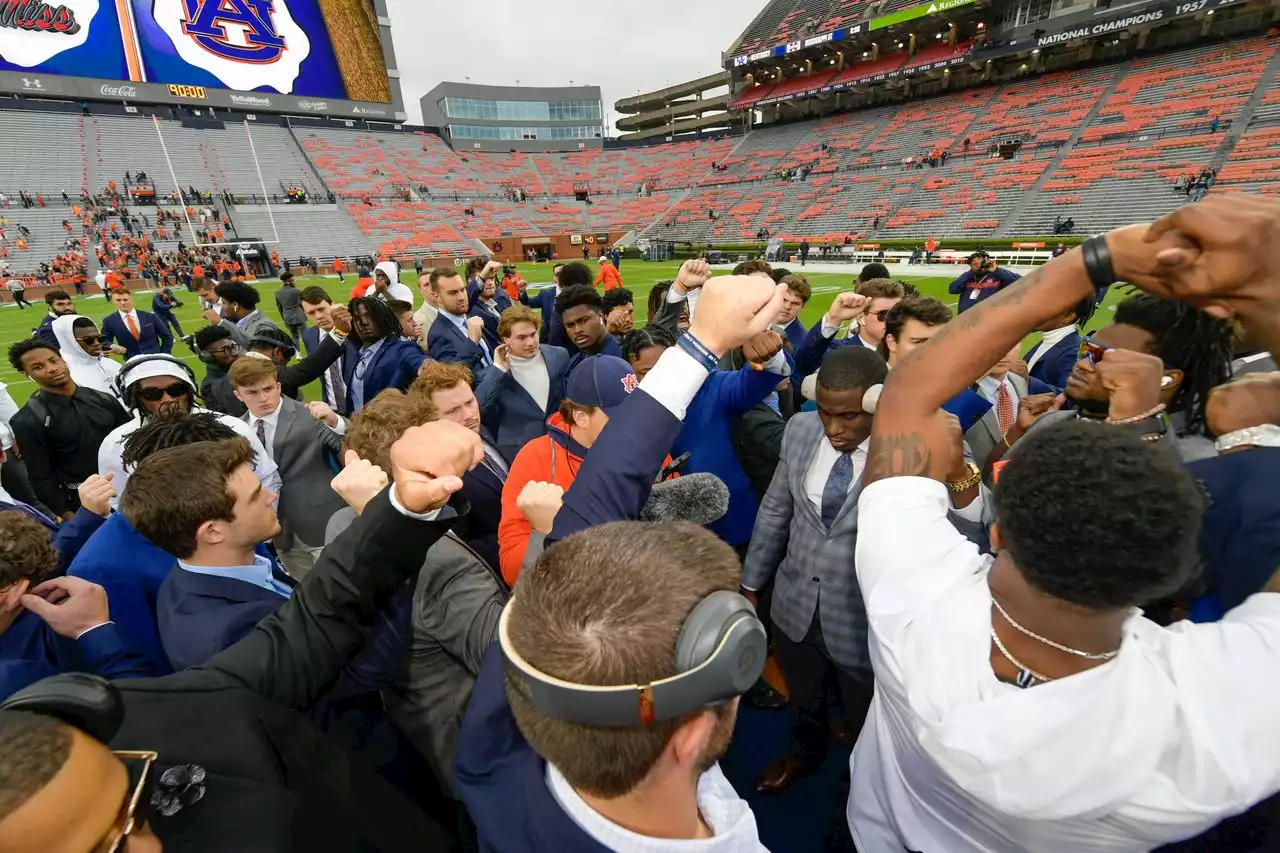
(673, 297)
(341, 428)
(93, 628)
(674, 380)
(778, 364)
(429, 515)
(829, 331)
(972, 512)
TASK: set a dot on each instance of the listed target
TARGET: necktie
(339, 392)
(493, 467)
(836, 490)
(133, 326)
(262, 434)
(1004, 407)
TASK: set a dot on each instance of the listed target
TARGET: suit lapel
(807, 445)
(283, 424)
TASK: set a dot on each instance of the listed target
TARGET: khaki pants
(299, 559)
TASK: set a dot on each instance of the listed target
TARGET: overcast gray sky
(619, 45)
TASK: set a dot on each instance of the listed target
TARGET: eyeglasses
(176, 391)
(1090, 351)
(130, 817)
(225, 349)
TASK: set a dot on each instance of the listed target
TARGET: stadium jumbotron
(251, 177)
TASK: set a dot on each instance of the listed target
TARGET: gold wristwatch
(974, 478)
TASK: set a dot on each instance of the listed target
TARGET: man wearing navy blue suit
(447, 387)
(139, 332)
(455, 337)
(202, 503)
(794, 299)
(1053, 358)
(525, 386)
(867, 307)
(488, 305)
(319, 308)
(377, 358)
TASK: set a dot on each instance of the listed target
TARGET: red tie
(1004, 408)
(133, 327)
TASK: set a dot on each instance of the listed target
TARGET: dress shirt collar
(989, 386)
(458, 320)
(126, 314)
(259, 574)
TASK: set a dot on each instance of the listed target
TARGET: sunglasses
(881, 315)
(1090, 351)
(131, 817)
(89, 340)
(176, 391)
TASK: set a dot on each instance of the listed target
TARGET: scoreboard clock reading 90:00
(198, 93)
(304, 48)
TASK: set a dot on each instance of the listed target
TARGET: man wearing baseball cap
(594, 390)
(982, 280)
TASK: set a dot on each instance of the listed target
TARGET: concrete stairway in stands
(1014, 216)
(1240, 123)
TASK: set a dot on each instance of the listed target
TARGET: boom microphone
(696, 498)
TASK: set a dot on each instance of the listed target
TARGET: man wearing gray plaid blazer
(803, 542)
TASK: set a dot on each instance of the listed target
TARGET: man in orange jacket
(595, 388)
(608, 274)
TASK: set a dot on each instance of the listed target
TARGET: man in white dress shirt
(1023, 701)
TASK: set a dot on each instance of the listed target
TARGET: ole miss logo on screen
(209, 23)
(38, 16)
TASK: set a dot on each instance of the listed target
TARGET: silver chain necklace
(1033, 635)
(1027, 677)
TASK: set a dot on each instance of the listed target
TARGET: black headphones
(720, 653)
(270, 341)
(129, 395)
(87, 702)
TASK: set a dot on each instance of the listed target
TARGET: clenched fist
(540, 502)
(846, 307)
(694, 273)
(475, 328)
(358, 482)
(761, 348)
(428, 462)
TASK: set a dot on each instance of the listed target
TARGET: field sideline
(638, 276)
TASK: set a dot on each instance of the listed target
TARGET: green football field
(638, 276)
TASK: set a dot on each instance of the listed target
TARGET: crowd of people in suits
(507, 583)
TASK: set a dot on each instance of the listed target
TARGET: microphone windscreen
(697, 498)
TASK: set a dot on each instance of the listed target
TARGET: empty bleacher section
(1102, 146)
(318, 231)
(208, 159)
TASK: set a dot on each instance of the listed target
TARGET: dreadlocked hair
(381, 314)
(638, 340)
(1189, 340)
(1084, 310)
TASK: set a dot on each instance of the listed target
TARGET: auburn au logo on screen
(210, 22)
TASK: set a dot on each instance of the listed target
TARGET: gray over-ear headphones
(720, 653)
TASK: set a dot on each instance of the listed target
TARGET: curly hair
(1136, 546)
(26, 550)
(240, 293)
(372, 430)
(383, 317)
(1186, 339)
(578, 294)
(638, 340)
(21, 348)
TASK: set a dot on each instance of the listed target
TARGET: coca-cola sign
(109, 91)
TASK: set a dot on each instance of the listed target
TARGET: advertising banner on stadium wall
(916, 12)
(800, 44)
(1096, 23)
(174, 50)
(864, 80)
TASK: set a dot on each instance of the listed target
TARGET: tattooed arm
(908, 438)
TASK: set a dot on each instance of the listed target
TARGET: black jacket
(219, 397)
(757, 442)
(274, 782)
